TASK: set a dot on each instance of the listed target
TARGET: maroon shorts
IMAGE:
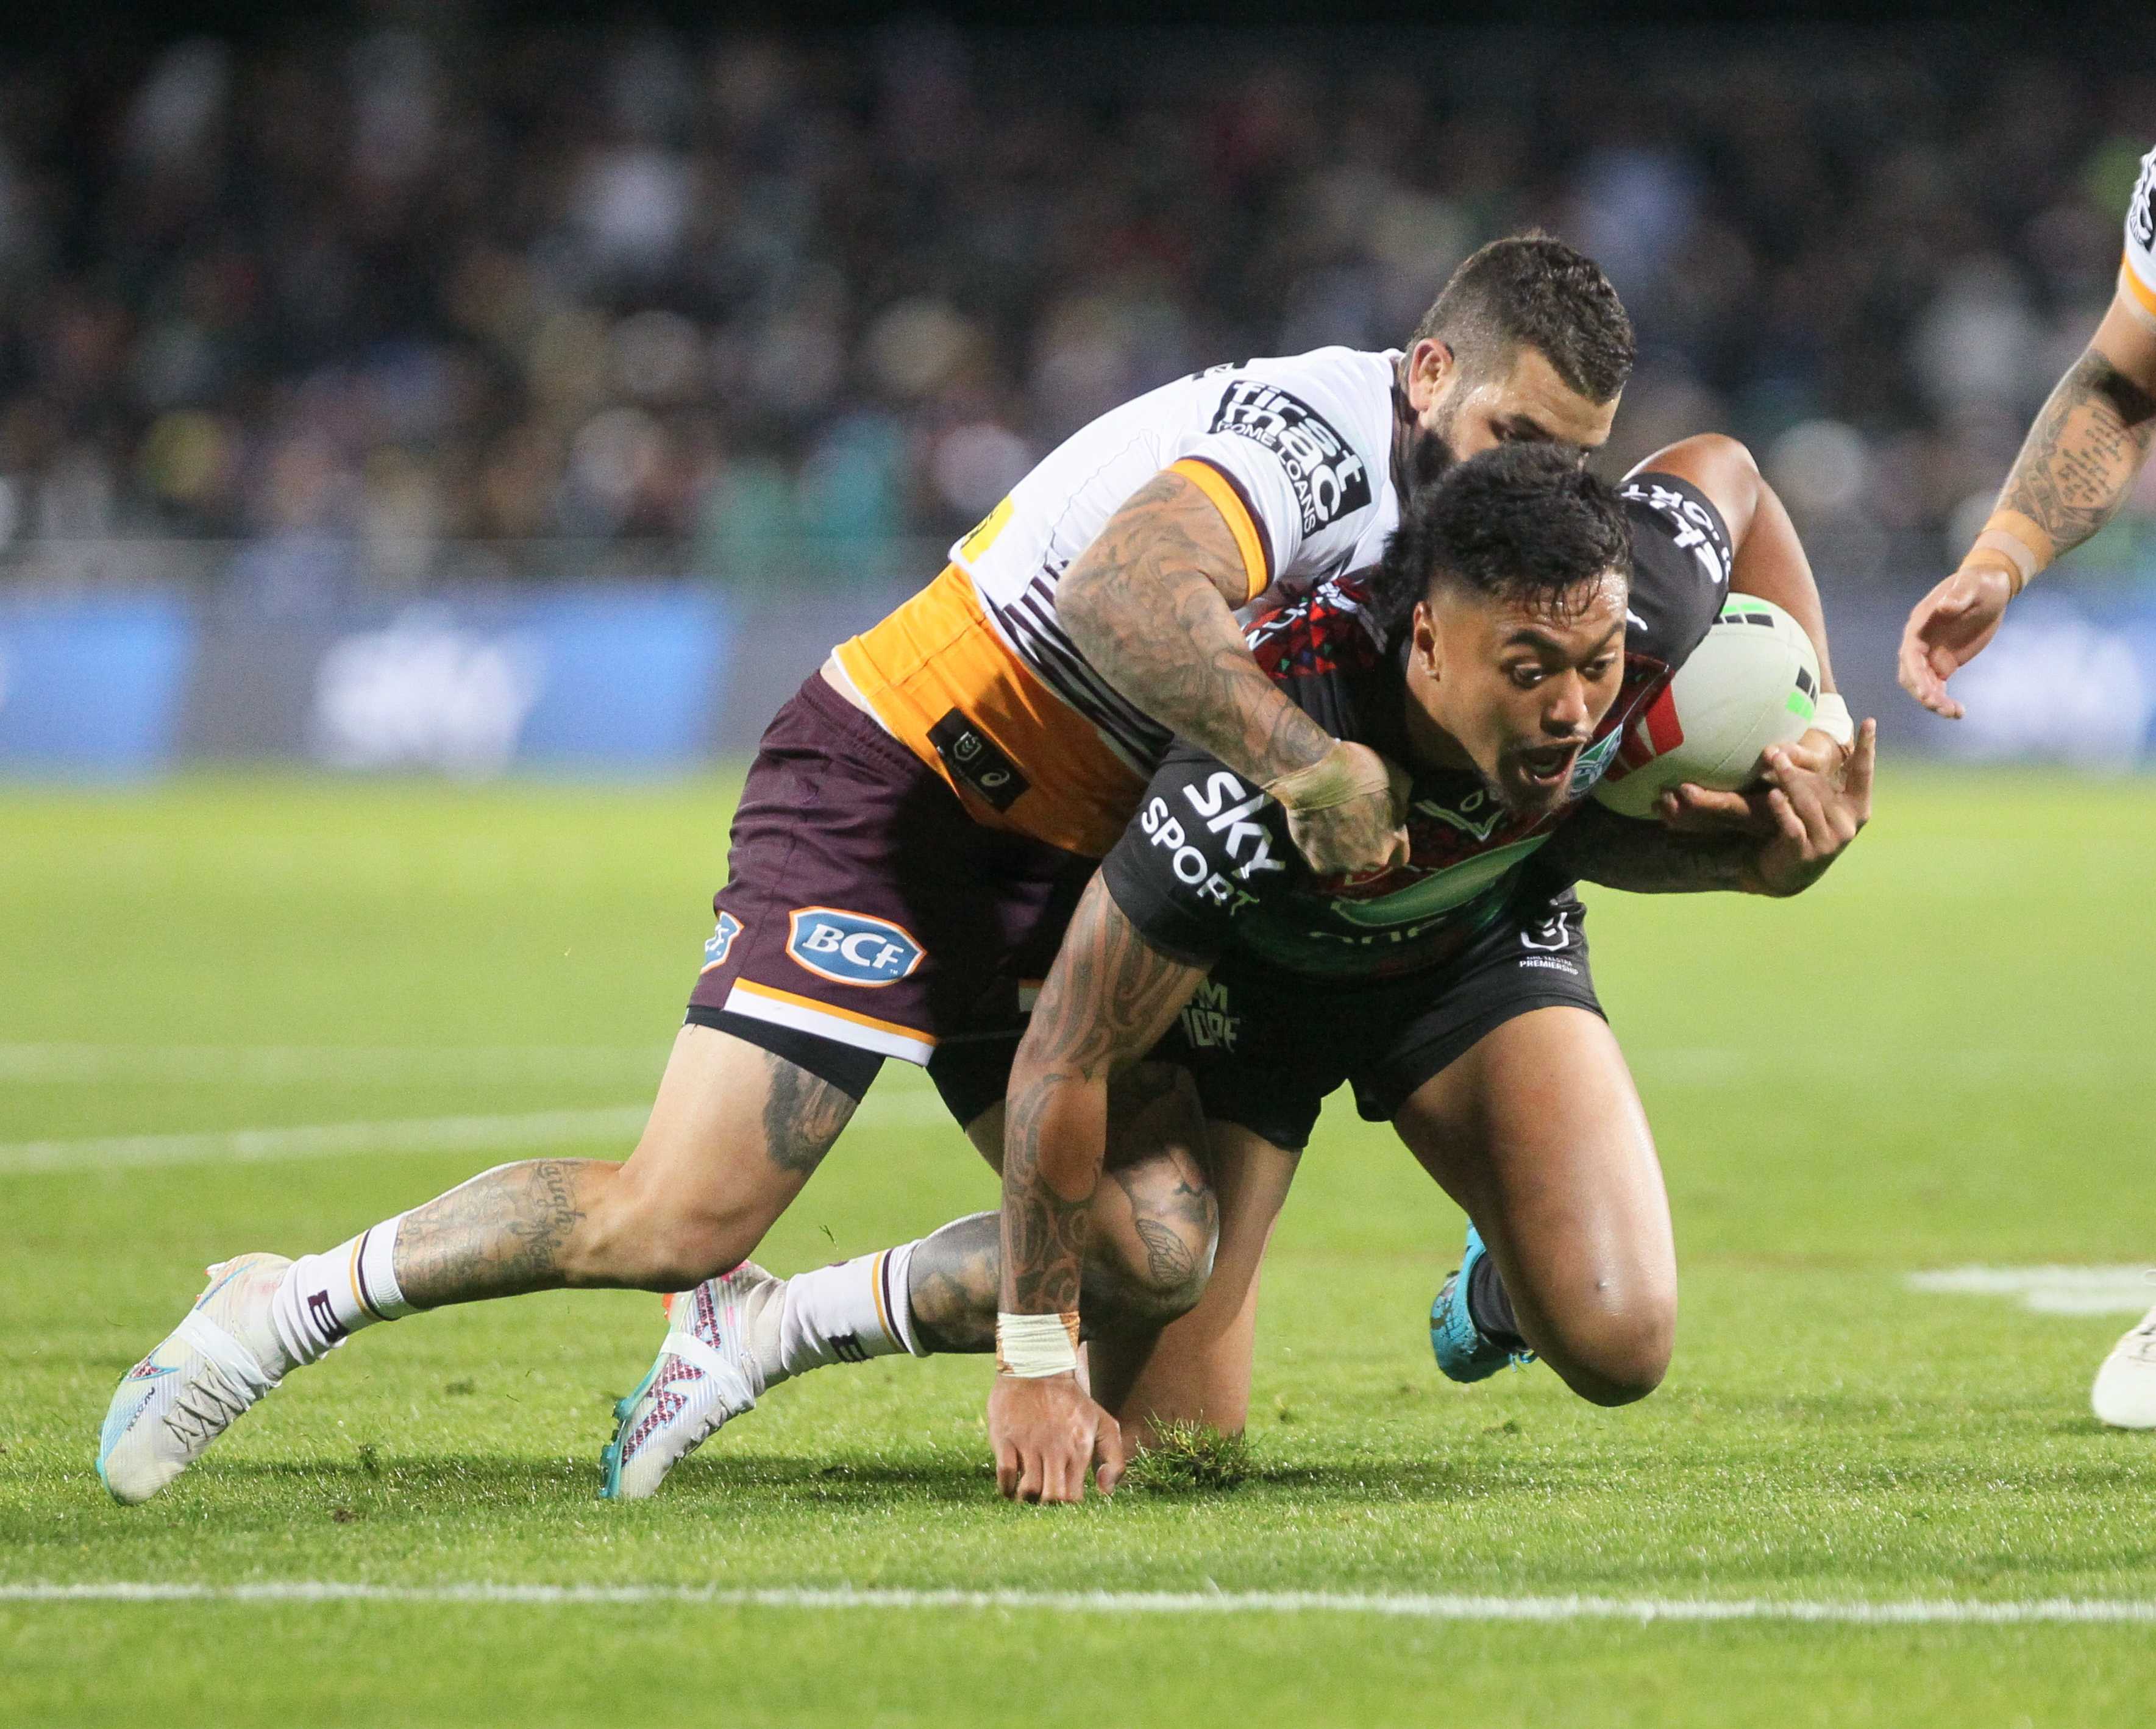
(867, 915)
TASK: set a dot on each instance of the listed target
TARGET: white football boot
(2124, 1395)
(185, 1394)
(711, 1367)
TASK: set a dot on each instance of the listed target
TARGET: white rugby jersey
(1297, 454)
(2138, 276)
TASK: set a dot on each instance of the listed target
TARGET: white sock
(848, 1313)
(325, 1298)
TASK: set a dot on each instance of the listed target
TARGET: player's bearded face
(1520, 687)
(1520, 399)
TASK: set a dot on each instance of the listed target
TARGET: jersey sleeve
(2136, 277)
(1204, 847)
(1293, 452)
(1682, 556)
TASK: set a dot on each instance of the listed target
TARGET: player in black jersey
(1524, 615)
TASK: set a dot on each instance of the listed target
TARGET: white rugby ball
(1753, 681)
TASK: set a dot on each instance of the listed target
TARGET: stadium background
(411, 390)
(404, 397)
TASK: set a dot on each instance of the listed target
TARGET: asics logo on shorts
(850, 947)
(720, 940)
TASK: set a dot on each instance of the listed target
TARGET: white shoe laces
(205, 1408)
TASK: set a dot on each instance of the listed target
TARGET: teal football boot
(1461, 1350)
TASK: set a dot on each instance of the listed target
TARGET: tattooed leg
(500, 1234)
(1149, 1247)
(734, 1134)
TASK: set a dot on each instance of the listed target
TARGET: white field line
(309, 1065)
(426, 1134)
(2049, 1291)
(1409, 1605)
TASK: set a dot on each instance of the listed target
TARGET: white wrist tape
(2013, 549)
(1035, 1346)
(1831, 717)
(1340, 777)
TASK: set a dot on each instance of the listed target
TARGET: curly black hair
(1533, 291)
(1522, 522)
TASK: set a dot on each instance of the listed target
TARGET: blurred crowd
(750, 306)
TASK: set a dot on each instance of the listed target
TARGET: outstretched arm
(1148, 603)
(1108, 1000)
(2075, 471)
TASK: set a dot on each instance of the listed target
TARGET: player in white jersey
(915, 829)
(2074, 472)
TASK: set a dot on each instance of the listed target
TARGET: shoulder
(1326, 416)
(2141, 233)
(1669, 515)
(1681, 557)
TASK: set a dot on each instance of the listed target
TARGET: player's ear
(1424, 644)
(1430, 366)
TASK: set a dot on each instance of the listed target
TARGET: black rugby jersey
(1207, 866)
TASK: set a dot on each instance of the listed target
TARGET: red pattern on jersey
(1327, 630)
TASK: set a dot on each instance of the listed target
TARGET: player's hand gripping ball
(1753, 682)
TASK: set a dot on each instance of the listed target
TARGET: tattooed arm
(1109, 998)
(2079, 459)
(1107, 1001)
(2075, 471)
(1148, 603)
(1596, 845)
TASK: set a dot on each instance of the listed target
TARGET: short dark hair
(1518, 522)
(1533, 291)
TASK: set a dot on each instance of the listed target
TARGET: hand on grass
(1048, 1434)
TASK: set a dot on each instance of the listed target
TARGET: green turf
(1936, 1059)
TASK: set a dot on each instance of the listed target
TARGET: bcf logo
(850, 947)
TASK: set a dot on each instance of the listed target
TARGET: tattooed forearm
(1107, 999)
(1598, 846)
(1148, 604)
(2079, 459)
(1044, 1243)
(802, 1116)
(500, 1234)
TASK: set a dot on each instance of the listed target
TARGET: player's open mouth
(1549, 765)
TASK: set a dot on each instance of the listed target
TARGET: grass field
(1937, 1059)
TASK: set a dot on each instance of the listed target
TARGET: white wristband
(1035, 1346)
(2011, 547)
(1831, 717)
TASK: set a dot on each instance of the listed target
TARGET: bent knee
(656, 1243)
(1618, 1356)
(1119, 1304)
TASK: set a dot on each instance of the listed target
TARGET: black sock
(1490, 1309)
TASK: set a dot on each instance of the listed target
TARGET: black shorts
(867, 915)
(1266, 1047)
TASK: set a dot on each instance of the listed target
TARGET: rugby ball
(1753, 681)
